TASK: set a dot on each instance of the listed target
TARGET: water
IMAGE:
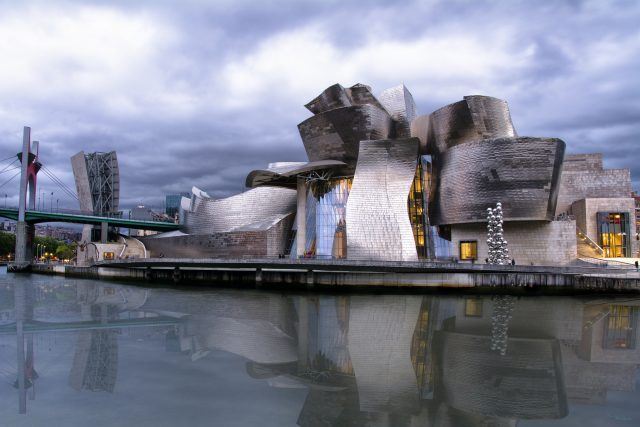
(105, 354)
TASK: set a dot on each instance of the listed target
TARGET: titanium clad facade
(207, 215)
(337, 96)
(378, 226)
(522, 173)
(476, 117)
(335, 134)
(398, 101)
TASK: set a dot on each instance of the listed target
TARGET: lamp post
(5, 200)
(51, 203)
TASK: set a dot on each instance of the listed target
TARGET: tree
(65, 251)
(7, 244)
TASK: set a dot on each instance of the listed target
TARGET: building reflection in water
(360, 360)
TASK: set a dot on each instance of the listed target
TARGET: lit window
(109, 255)
(620, 327)
(473, 307)
(469, 250)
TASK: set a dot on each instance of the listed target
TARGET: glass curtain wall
(326, 208)
(613, 233)
(417, 210)
(434, 246)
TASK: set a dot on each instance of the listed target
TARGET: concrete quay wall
(467, 280)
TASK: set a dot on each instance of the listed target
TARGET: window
(473, 307)
(613, 230)
(620, 327)
(417, 214)
(469, 250)
(108, 255)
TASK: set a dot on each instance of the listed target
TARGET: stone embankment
(355, 276)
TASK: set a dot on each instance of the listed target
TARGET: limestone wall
(585, 212)
(584, 177)
(540, 243)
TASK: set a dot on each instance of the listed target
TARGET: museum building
(384, 183)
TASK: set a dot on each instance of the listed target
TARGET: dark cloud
(200, 93)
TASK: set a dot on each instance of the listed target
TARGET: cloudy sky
(200, 93)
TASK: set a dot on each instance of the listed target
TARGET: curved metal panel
(475, 117)
(420, 129)
(284, 175)
(336, 96)
(522, 173)
(378, 226)
(398, 101)
(207, 216)
(335, 134)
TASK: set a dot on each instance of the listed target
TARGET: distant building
(636, 197)
(97, 178)
(142, 213)
(172, 203)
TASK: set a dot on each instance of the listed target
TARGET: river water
(107, 354)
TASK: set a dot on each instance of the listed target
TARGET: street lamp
(51, 203)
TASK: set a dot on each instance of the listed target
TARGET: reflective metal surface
(398, 101)
(337, 96)
(76, 352)
(284, 175)
(378, 226)
(522, 173)
(335, 134)
(476, 117)
(207, 215)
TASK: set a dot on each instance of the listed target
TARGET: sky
(195, 93)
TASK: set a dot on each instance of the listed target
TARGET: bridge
(37, 217)
(26, 215)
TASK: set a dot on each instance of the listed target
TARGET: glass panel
(620, 327)
(473, 307)
(469, 250)
(613, 233)
(417, 213)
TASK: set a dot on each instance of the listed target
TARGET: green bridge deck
(35, 217)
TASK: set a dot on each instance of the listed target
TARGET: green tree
(7, 243)
(65, 251)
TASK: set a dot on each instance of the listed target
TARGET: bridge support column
(104, 232)
(24, 246)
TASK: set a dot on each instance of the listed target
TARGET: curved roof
(284, 175)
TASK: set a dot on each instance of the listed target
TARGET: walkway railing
(589, 241)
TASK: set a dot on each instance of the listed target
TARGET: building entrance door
(613, 233)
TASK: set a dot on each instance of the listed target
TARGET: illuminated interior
(613, 233)
(469, 250)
